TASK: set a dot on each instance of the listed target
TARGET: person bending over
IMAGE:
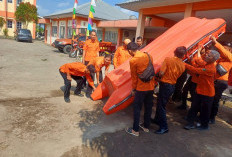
(76, 71)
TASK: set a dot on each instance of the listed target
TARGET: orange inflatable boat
(189, 32)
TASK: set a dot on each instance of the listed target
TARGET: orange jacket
(206, 78)
(225, 61)
(172, 68)
(91, 49)
(196, 62)
(121, 55)
(137, 65)
(76, 69)
(98, 63)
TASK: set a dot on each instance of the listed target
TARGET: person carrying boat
(205, 91)
(221, 83)
(99, 63)
(191, 83)
(171, 69)
(143, 91)
(76, 71)
(121, 54)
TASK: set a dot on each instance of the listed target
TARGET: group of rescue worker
(208, 70)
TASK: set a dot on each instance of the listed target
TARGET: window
(9, 1)
(19, 25)
(62, 32)
(9, 24)
(54, 31)
(70, 31)
(99, 34)
(18, 2)
(111, 36)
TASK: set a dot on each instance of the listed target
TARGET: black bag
(221, 70)
(148, 73)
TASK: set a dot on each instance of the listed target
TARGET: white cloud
(64, 4)
(42, 11)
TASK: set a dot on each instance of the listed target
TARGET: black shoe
(202, 128)
(87, 95)
(67, 100)
(154, 121)
(182, 107)
(189, 127)
(212, 121)
(161, 131)
(80, 95)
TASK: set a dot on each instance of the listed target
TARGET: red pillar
(120, 35)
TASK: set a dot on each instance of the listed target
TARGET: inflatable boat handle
(204, 46)
(118, 104)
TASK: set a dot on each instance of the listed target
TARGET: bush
(5, 31)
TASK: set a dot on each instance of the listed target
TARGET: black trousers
(203, 104)
(67, 84)
(165, 91)
(178, 87)
(146, 98)
(188, 87)
(219, 86)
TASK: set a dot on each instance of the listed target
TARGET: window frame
(10, 24)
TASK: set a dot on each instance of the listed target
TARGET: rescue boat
(190, 32)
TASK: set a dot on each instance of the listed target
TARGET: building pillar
(66, 28)
(141, 25)
(51, 33)
(189, 11)
(103, 34)
(58, 29)
(45, 34)
(120, 35)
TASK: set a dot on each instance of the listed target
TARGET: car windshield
(24, 31)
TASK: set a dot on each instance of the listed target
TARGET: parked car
(23, 35)
(65, 45)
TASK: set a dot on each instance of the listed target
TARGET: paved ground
(35, 121)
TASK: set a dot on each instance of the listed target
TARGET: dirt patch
(30, 117)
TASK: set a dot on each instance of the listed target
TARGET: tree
(26, 12)
(2, 22)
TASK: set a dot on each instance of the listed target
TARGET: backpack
(148, 73)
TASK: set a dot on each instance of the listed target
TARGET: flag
(93, 3)
(87, 33)
(75, 7)
(89, 27)
(90, 21)
(91, 14)
(74, 32)
(92, 9)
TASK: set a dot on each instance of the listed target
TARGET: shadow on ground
(105, 136)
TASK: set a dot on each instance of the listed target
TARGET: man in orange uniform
(143, 91)
(121, 54)
(170, 71)
(191, 83)
(98, 63)
(221, 82)
(91, 48)
(76, 71)
(204, 92)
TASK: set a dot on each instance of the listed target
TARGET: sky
(46, 7)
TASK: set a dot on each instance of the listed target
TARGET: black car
(23, 35)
